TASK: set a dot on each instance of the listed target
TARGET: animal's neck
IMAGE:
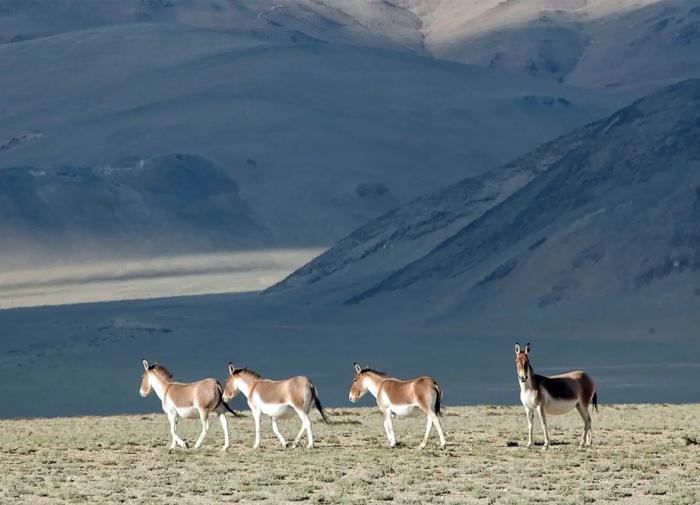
(530, 383)
(244, 383)
(372, 382)
(159, 384)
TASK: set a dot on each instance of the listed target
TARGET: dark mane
(157, 367)
(249, 371)
(372, 370)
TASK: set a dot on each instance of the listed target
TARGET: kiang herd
(553, 395)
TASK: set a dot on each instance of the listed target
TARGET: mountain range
(604, 220)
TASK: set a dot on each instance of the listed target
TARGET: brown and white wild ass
(554, 395)
(274, 398)
(194, 400)
(399, 398)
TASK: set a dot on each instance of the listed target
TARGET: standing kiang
(194, 400)
(399, 398)
(275, 398)
(555, 395)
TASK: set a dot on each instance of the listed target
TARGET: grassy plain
(641, 454)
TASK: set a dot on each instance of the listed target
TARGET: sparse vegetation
(642, 454)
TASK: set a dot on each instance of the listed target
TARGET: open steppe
(641, 454)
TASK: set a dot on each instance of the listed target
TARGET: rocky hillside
(606, 216)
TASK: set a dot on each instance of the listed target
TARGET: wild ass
(554, 395)
(274, 398)
(188, 400)
(399, 398)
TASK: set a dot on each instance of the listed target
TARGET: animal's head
(522, 362)
(146, 387)
(151, 373)
(230, 389)
(358, 387)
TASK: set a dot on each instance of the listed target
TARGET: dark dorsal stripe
(372, 370)
(560, 388)
(160, 368)
(248, 371)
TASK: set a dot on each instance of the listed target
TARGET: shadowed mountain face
(141, 205)
(605, 219)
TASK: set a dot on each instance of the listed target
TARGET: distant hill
(603, 221)
(318, 137)
(626, 46)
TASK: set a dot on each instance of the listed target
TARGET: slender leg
(173, 427)
(205, 427)
(428, 427)
(306, 423)
(301, 432)
(543, 421)
(256, 417)
(173, 436)
(436, 422)
(586, 423)
(530, 413)
(224, 426)
(389, 428)
(277, 432)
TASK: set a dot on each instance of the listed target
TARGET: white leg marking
(277, 432)
(428, 427)
(389, 428)
(173, 427)
(584, 416)
(530, 414)
(436, 422)
(224, 426)
(543, 421)
(256, 417)
(306, 423)
(205, 428)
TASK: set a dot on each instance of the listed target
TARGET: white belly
(187, 412)
(274, 409)
(402, 410)
(555, 407)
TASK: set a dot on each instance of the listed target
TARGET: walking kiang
(275, 398)
(548, 396)
(399, 398)
(194, 400)
(555, 395)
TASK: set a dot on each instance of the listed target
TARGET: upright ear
(231, 368)
(358, 369)
(527, 348)
(517, 348)
(145, 364)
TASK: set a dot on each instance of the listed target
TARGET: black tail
(438, 399)
(317, 402)
(222, 402)
(595, 400)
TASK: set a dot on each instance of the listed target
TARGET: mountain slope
(318, 137)
(605, 216)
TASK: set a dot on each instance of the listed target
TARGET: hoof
(421, 446)
(223, 449)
